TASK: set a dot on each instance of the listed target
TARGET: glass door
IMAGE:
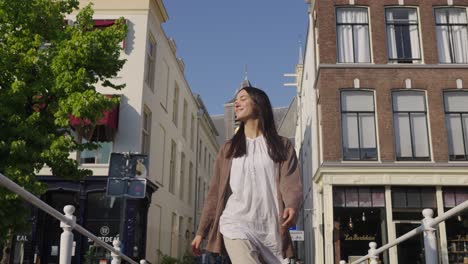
(410, 251)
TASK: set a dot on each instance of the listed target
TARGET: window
(200, 152)
(172, 167)
(456, 120)
(146, 132)
(204, 159)
(184, 120)
(192, 131)
(182, 176)
(190, 185)
(452, 35)
(175, 105)
(101, 155)
(410, 125)
(173, 234)
(358, 125)
(403, 35)
(352, 33)
(150, 61)
(161, 146)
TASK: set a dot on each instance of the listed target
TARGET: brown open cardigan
(289, 196)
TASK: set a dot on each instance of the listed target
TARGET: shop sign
(297, 235)
(104, 232)
(105, 239)
(22, 238)
(357, 237)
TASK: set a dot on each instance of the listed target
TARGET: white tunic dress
(251, 211)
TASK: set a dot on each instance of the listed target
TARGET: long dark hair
(264, 111)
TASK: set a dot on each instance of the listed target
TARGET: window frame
(394, 113)
(172, 167)
(461, 114)
(150, 59)
(387, 24)
(449, 27)
(343, 113)
(175, 105)
(146, 131)
(182, 176)
(337, 24)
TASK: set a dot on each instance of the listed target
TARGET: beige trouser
(241, 251)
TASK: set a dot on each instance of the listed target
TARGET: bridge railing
(427, 227)
(67, 223)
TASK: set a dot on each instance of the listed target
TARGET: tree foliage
(49, 69)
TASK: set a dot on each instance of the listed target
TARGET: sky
(217, 38)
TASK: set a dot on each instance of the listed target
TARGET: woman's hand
(196, 250)
(289, 217)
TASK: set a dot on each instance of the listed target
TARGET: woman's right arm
(211, 200)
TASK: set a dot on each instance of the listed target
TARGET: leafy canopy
(49, 70)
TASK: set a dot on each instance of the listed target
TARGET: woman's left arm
(290, 185)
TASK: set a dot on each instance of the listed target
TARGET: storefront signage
(22, 238)
(105, 239)
(104, 230)
(357, 237)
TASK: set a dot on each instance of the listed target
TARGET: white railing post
(373, 256)
(66, 239)
(115, 257)
(430, 240)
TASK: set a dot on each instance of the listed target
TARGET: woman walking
(255, 190)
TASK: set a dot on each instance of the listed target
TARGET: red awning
(105, 127)
(110, 119)
(103, 23)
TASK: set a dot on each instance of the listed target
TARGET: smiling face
(244, 106)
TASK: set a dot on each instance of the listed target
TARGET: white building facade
(158, 116)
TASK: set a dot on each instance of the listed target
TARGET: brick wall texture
(434, 80)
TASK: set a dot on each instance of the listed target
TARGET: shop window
(452, 34)
(358, 125)
(358, 197)
(352, 35)
(413, 197)
(456, 121)
(457, 226)
(359, 218)
(103, 220)
(410, 125)
(403, 35)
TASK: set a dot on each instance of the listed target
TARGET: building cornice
(391, 66)
(393, 174)
(161, 11)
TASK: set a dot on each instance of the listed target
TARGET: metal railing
(68, 223)
(430, 240)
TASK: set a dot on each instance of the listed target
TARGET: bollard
(372, 248)
(342, 262)
(115, 257)
(66, 238)
(430, 240)
(142, 261)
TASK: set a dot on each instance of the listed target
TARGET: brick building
(382, 126)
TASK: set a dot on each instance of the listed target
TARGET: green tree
(49, 70)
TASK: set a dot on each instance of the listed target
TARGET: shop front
(457, 227)
(95, 211)
(359, 218)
